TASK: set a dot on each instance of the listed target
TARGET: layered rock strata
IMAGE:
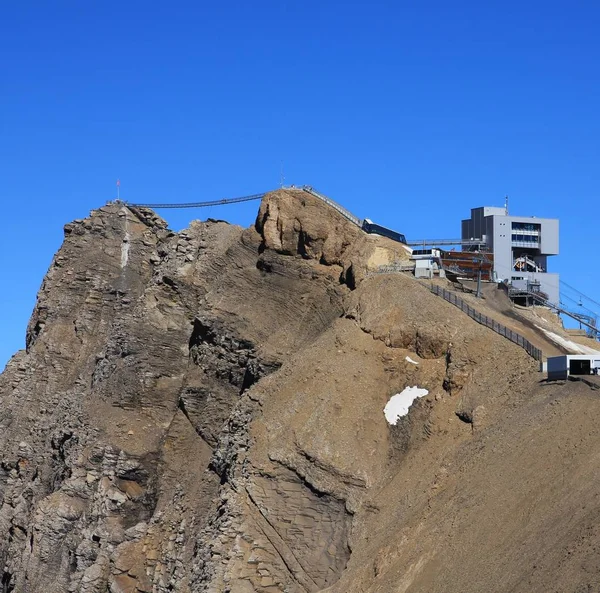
(203, 412)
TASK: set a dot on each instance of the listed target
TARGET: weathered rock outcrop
(294, 222)
(140, 347)
(203, 412)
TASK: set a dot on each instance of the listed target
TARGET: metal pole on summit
(118, 189)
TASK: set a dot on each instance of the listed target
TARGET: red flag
(118, 182)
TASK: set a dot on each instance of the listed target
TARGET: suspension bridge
(366, 225)
(225, 201)
(222, 202)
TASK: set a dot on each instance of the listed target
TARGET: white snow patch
(125, 243)
(125, 250)
(570, 345)
(400, 403)
(409, 359)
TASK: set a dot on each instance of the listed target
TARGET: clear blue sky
(408, 113)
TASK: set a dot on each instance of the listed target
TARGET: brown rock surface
(294, 222)
(203, 412)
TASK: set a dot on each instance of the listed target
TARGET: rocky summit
(203, 411)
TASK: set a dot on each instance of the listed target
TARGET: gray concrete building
(520, 246)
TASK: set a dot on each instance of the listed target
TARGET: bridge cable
(222, 202)
(587, 298)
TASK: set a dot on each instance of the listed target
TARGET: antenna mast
(118, 189)
(506, 205)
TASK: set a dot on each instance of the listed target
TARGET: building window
(525, 226)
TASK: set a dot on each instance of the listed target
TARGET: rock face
(293, 222)
(203, 412)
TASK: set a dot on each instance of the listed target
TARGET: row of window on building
(526, 238)
(525, 226)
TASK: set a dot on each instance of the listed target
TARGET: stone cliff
(203, 412)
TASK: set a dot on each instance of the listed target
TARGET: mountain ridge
(203, 411)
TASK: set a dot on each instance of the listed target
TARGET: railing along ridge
(395, 267)
(346, 213)
(504, 331)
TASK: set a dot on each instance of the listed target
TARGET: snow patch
(566, 343)
(125, 250)
(400, 403)
(125, 243)
(409, 359)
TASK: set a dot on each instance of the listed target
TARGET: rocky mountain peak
(202, 411)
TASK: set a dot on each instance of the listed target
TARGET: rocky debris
(474, 416)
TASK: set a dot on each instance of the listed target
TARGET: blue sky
(408, 113)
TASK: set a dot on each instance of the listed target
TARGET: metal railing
(393, 268)
(221, 202)
(587, 320)
(435, 242)
(504, 331)
(345, 213)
